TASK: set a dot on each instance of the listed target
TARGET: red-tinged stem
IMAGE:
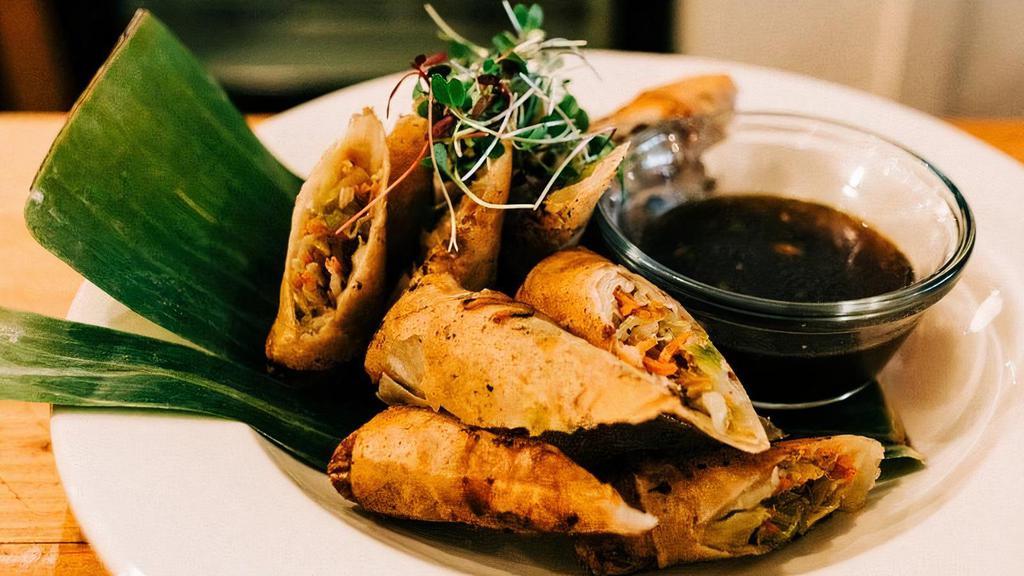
(442, 125)
(387, 111)
(420, 70)
(433, 59)
(365, 209)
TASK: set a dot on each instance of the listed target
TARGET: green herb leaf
(522, 14)
(569, 105)
(537, 133)
(439, 89)
(600, 145)
(47, 360)
(441, 158)
(496, 152)
(582, 120)
(535, 18)
(458, 51)
(157, 192)
(504, 42)
(456, 93)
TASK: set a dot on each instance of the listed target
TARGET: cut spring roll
(493, 363)
(711, 97)
(560, 220)
(619, 311)
(415, 463)
(410, 200)
(332, 290)
(474, 265)
(728, 504)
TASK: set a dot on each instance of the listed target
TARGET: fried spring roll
(729, 504)
(415, 463)
(560, 221)
(333, 286)
(474, 264)
(711, 97)
(493, 363)
(619, 311)
(410, 200)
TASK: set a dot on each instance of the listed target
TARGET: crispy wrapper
(410, 201)
(532, 235)
(415, 463)
(493, 363)
(586, 294)
(474, 265)
(357, 166)
(711, 96)
(728, 504)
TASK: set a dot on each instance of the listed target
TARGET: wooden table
(38, 534)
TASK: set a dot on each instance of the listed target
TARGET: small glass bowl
(797, 354)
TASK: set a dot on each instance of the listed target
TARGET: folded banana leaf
(157, 192)
(48, 360)
(866, 413)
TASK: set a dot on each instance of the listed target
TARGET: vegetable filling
(665, 344)
(797, 495)
(323, 261)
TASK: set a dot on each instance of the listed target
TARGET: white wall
(954, 57)
(991, 79)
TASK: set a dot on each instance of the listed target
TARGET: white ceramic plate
(163, 494)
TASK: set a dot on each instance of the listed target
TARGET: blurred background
(946, 57)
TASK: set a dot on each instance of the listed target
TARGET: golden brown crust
(686, 495)
(359, 306)
(478, 230)
(576, 288)
(492, 362)
(415, 463)
(568, 287)
(711, 96)
(410, 201)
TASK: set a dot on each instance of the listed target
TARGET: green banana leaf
(866, 413)
(48, 360)
(158, 193)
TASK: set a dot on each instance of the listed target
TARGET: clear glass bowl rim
(921, 293)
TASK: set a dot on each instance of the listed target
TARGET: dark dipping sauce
(777, 248)
(790, 250)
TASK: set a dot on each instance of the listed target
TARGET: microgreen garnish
(510, 92)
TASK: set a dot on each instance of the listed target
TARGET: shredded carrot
(843, 469)
(660, 368)
(626, 302)
(308, 282)
(316, 226)
(770, 528)
(672, 347)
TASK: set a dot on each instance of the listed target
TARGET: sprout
(510, 92)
